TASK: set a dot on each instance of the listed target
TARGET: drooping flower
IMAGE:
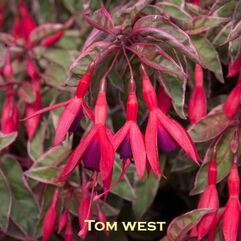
(84, 210)
(231, 216)
(95, 148)
(50, 217)
(129, 140)
(68, 235)
(73, 111)
(27, 21)
(235, 67)
(197, 107)
(157, 118)
(52, 39)
(232, 103)
(10, 115)
(63, 220)
(209, 199)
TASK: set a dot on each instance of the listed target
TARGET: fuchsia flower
(10, 116)
(156, 119)
(95, 148)
(1, 15)
(63, 220)
(231, 216)
(31, 108)
(235, 67)
(68, 236)
(198, 101)
(196, 2)
(129, 139)
(52, 39)
(50, 217)
(74, 110)
(84, 210)
(232, 103)
(27, 21)
(209, 199)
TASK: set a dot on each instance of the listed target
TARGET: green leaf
(177, 94)
(26, 93)
(222, 35)
(209, 56)
(24, 210)
(204, 23)
(235, 32)
(209, 127)
(178, 228)
(6, 202)
(35, 146)
(143, 202)
(46, 174)
(52, 157)
(223, 160)
(125, 187)
(7, 139)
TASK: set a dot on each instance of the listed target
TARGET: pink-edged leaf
(71, 110)
(88, 111)
(156, 27)
(235, 32)
(75, 157)
(151, 144)
(46, 109)
(101, 20)
(179, 227)
(179, 134)
(138, 149)
(202, 24)
(121, 134)
(107, 157)
(153, 56)
(91, 54)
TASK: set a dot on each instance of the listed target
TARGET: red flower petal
(46, 109)
(66, 119)
(88, 111)
(77, 154)
(179, 134)
(121, 134)
(197, 105)
(107, 157)
(151, 144)
(138, 149)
